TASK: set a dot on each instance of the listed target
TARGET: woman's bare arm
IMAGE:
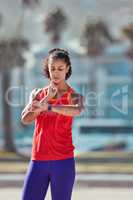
(27, 115)
(32, 110)
(76, 107)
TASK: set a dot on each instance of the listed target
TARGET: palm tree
(95, 37)
(10, 56)
(127, 31)
(12, 46)
(54, 23)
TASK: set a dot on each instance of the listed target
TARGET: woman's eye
(58, 69)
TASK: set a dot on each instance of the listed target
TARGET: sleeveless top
(52, 139)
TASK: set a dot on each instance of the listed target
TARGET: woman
(53, 108)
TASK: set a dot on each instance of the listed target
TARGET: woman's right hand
(52, 90)
(37, 106)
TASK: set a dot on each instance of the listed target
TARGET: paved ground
(87, 187)
(90, 162)
(78, 194)
(81, 180)
(100, 176)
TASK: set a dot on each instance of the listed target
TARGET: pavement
(86, 187)
(90, 162)
(82, 180)
(78, 194)
(100, 176)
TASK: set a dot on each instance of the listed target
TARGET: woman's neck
(62, 86)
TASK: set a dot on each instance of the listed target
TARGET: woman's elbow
(25, 121)
(79, 111)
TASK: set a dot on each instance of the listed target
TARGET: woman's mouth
(55, 78)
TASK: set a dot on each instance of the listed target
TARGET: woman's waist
(60, 133)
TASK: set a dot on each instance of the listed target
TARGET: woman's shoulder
(73, 91)
(75, 96)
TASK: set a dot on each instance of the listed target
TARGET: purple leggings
(59, 173)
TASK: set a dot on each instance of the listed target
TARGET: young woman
(53, 108)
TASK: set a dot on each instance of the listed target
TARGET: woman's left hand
(39, 106)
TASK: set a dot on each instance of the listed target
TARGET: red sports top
(52, 138)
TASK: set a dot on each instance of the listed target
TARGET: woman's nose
(56, 72)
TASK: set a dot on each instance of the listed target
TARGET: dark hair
(57, 54)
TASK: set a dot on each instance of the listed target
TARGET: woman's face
(57, 69)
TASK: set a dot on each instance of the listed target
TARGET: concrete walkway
(78, 194)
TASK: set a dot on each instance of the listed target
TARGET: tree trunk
(93, 87)
(7, 118)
